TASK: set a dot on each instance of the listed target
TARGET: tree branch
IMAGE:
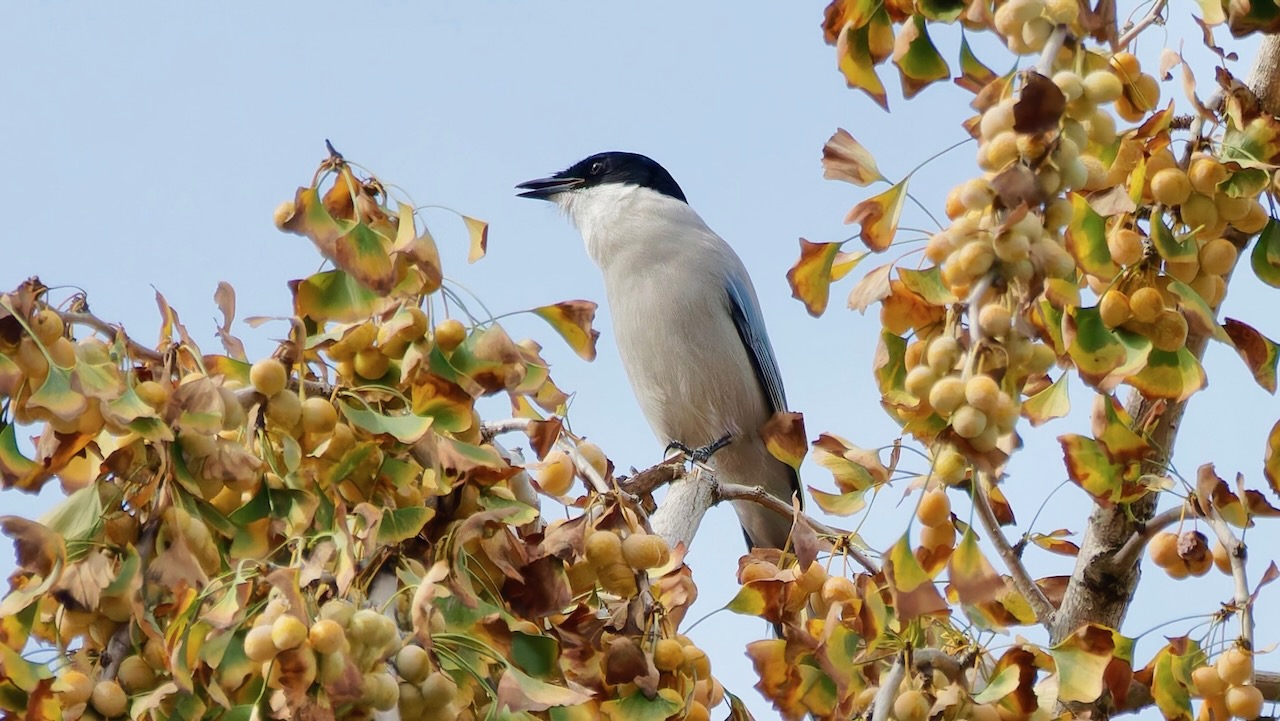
(757, 494)
(1152, 17)
(92, 321)
(1140, 698)
(1022, 580)
(1132, 549)
(1235, 552)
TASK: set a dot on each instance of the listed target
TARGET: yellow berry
(982, 392)
(1170, 186)
(839, 589)
(1126, 65)
(556, 475)
(1144, 93)
(946, 395)
(109, 699)
(968, 422)
(618, 579)
(1218, 256)
(73, 687)
(934, 538)
(47, 326)
(268, 376)
(668, 654)
(594, 456)
(318, 415)
(1114, 308)
(643, 551)
(950, 466)
(995, 320)
(1235, 666)
(1163, 548)
(288, 632)
(284, 409)
(413, 663)
(1207, 682)
(942, 354)
(258, 645)
(1170, 335)
(920, 380)
(438, 690)
(1146, 304)
(603, 548)
(449, 334)
(370, 364)
(1125, 245)
(1205, 174)
(1244, 702)
(911, 705)
(1222, 558)
(934, 508)
(1102, 86)
(135, 675)
(327, 635)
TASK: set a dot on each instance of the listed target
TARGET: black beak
(546, 188)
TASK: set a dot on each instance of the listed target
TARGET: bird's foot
(703, 454)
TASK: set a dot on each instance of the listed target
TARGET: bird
(687, 323)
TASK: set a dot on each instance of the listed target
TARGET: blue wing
(745, 310)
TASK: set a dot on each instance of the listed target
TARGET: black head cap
(603, 169)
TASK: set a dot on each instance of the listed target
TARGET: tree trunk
(1098, 592)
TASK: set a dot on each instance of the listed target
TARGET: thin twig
(1132, 550)
(1022, 580)
(1152, 17)
(100, 325)
(757, 494)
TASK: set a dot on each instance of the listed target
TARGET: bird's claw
(703, 454)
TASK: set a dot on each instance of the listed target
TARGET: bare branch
(1131, 551)
(1235, 552)
(489, 429)
(1022, 580)
(100, 325)
(757, 494)
(654, 477)
(1154, 16)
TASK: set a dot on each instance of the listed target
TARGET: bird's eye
(597, 167)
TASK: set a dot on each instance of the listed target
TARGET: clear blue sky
(147, 146)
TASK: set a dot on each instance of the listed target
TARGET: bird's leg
(703, 454)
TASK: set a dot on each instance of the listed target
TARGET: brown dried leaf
(543, 435)
(82, 582)
(1115, 201)
(225, 298)
(36, 548)
(1040, 105)
(844, 158)
(872, 288)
